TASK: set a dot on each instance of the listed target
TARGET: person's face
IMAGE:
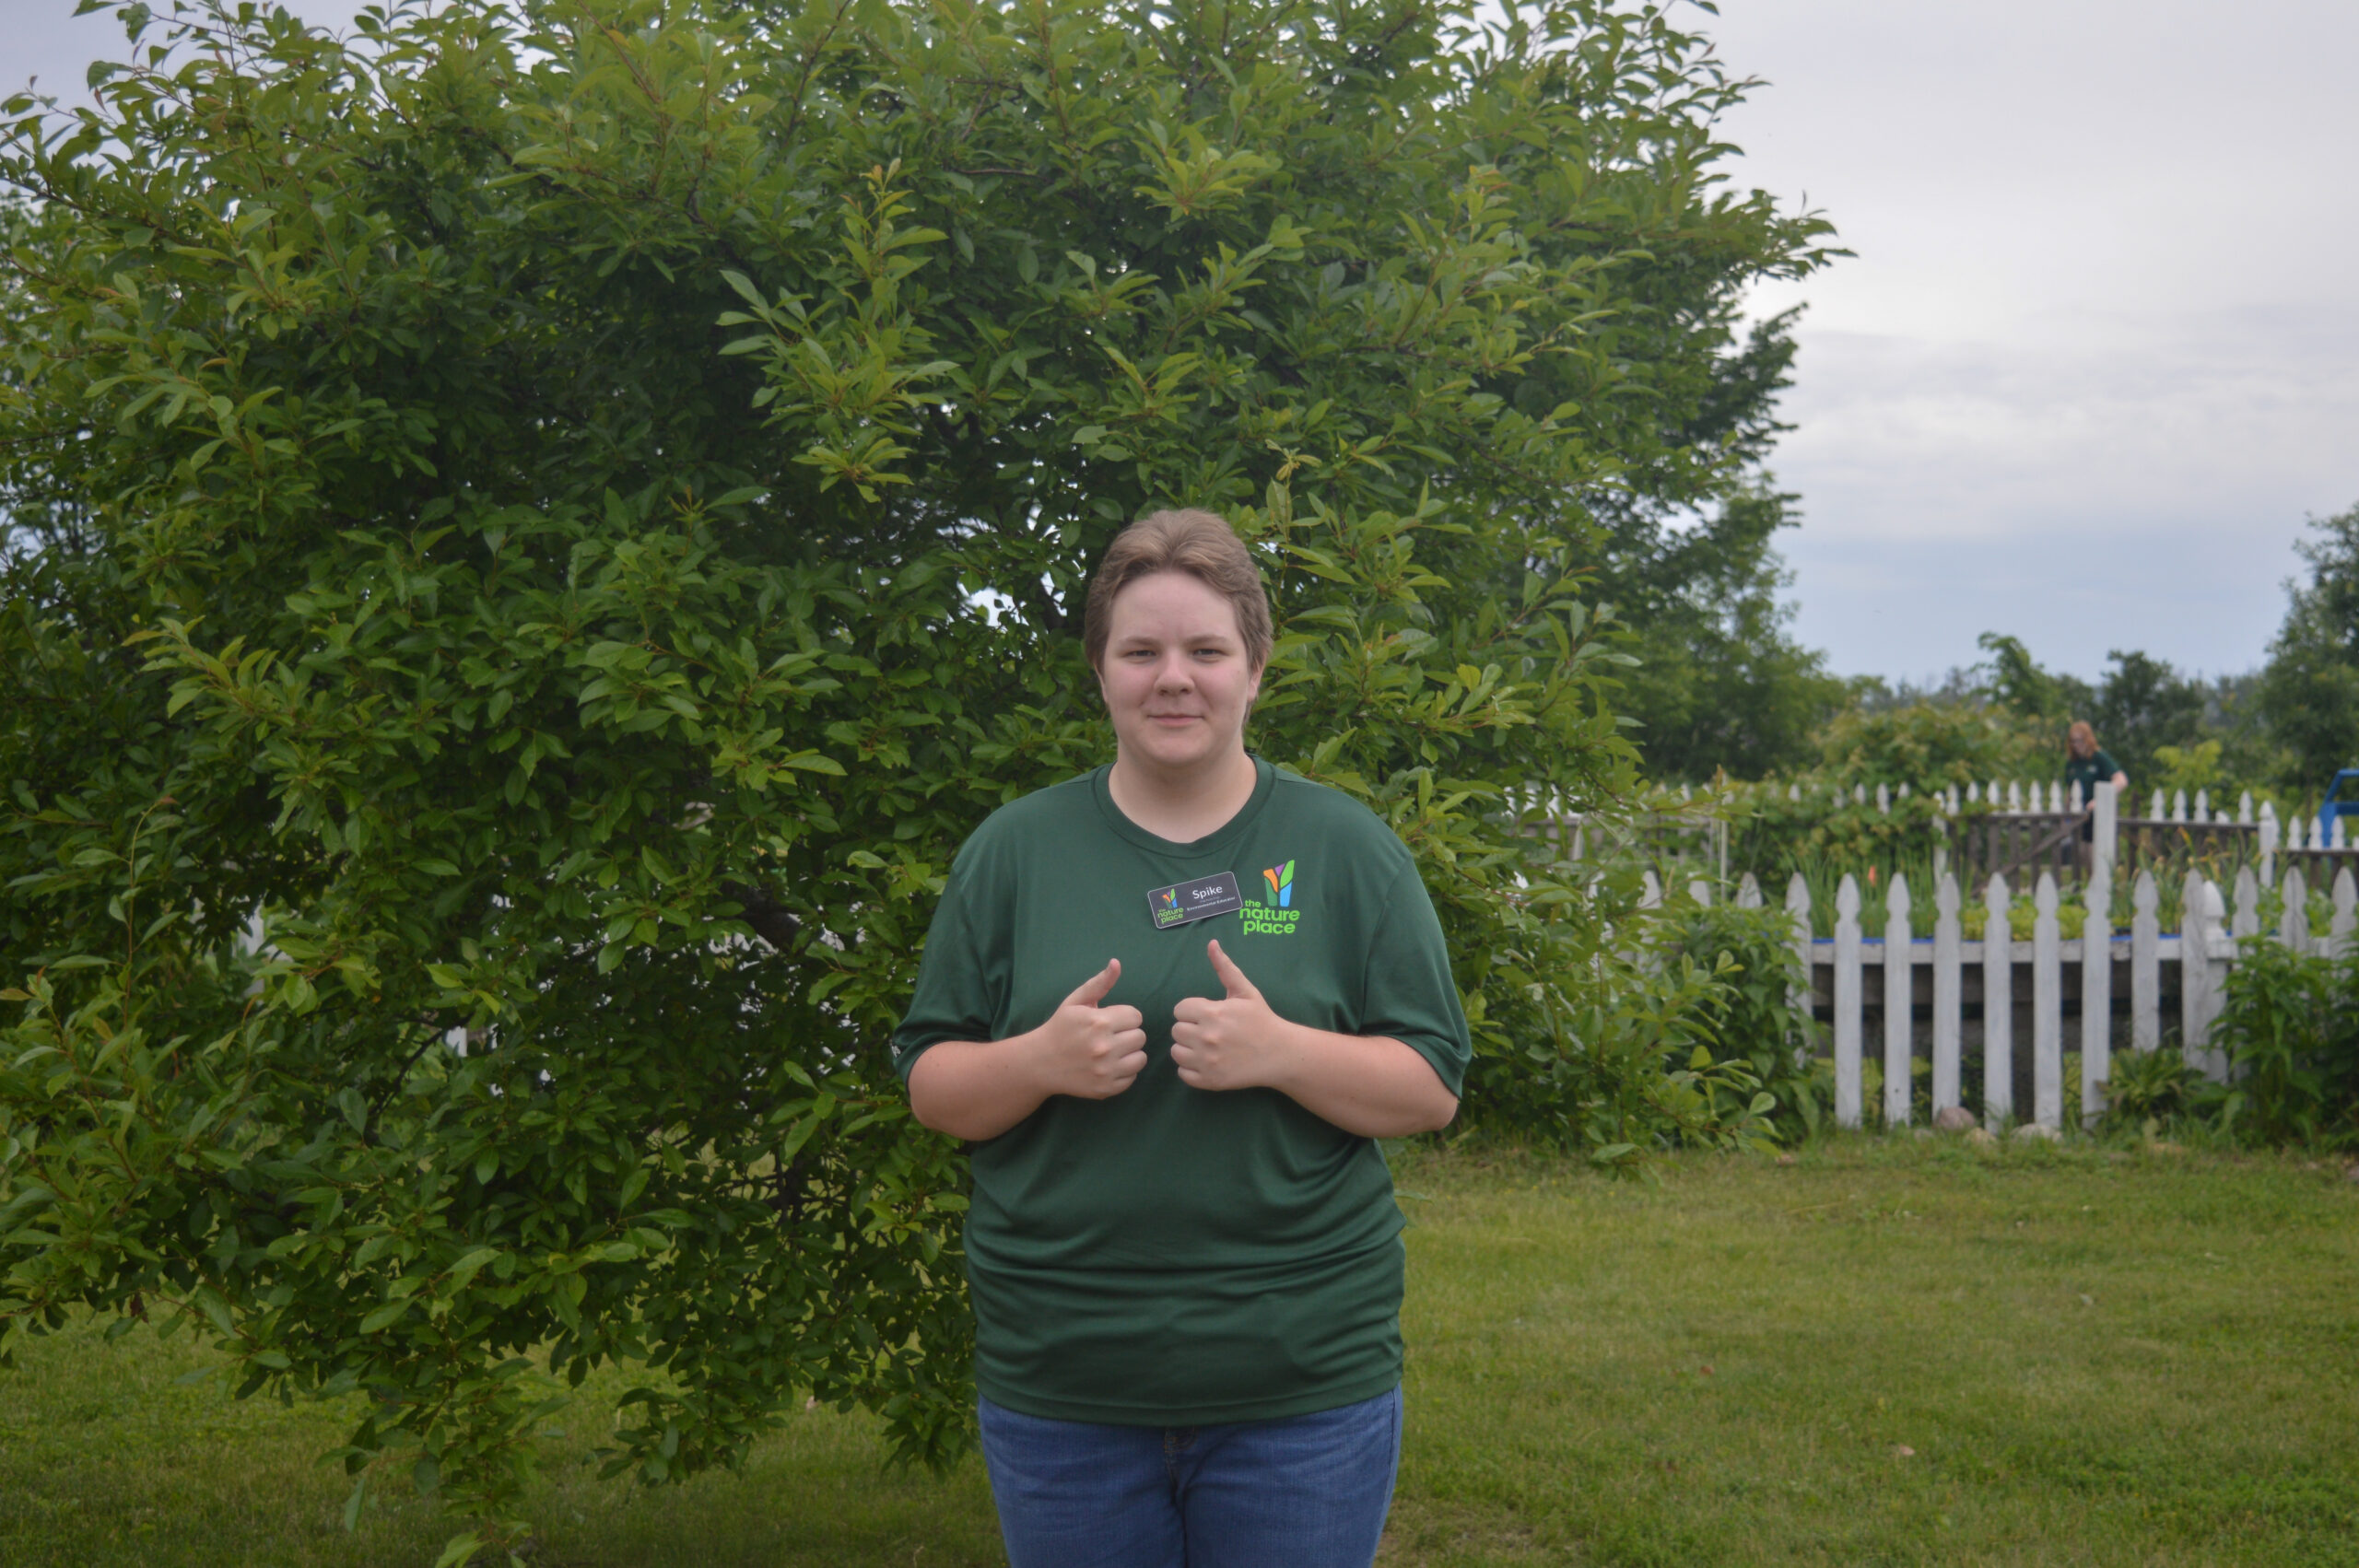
(2083, 746)
(1176, 679)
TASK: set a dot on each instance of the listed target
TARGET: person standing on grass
(1172, 1004)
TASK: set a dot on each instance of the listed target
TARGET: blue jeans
(1304, 1492)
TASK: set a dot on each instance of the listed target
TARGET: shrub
(2290, 1025)
(535, 536)
(2149, 1089)
(1753, 1020)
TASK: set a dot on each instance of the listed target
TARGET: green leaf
(463, 1271)
(459, 1551)
(390, 1313)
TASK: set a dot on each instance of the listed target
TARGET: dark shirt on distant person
(2083, 774)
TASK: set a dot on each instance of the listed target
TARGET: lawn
(1881, 1352)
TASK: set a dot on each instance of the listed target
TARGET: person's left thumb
(1231, 974)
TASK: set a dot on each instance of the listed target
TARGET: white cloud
(2094, 359)
(46, 40)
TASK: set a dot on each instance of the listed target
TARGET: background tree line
(1725, 688)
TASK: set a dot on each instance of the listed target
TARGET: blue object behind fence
(2334, 808)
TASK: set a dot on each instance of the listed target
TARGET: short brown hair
(1200, 543)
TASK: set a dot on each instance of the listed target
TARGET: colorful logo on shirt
(1278, 917)
(1167, 907)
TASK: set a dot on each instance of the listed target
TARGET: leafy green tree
(1720, 686)
(2139, 706)
(2017, 681)
(2309, 691)
(1925, 745)
(1687, 559)
(2144, 704)
(537, 534)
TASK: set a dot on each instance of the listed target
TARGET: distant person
(2087, 765)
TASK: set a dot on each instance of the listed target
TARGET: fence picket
(1798, 913)
(2246, 921)
(2145, 965)
(2294, 923)
(1898, 1002)
(2047, 1007)
(1846, 1002)
(2097, 993)
(1998, 1008)
(1948, 993)
(2191, 969)
(1748, 891)
(2219, 957)
(2346, 915)
(2201, 938)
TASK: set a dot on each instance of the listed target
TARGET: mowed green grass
(1883, 1352)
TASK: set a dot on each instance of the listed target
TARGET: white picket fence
(2015, 828)
(2303, 831)
(2205, 949)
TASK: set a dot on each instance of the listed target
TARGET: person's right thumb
(1092, 991)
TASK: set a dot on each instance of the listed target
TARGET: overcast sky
(2098, 353)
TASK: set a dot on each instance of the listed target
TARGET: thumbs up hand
(1234, 1042)
(1088, 1052)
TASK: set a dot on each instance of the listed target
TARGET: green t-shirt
(1177, 1257)
(2083, 774)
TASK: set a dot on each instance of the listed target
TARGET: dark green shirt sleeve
(963, 976)
(1407, 992)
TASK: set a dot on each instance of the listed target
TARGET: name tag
(1198, 900)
